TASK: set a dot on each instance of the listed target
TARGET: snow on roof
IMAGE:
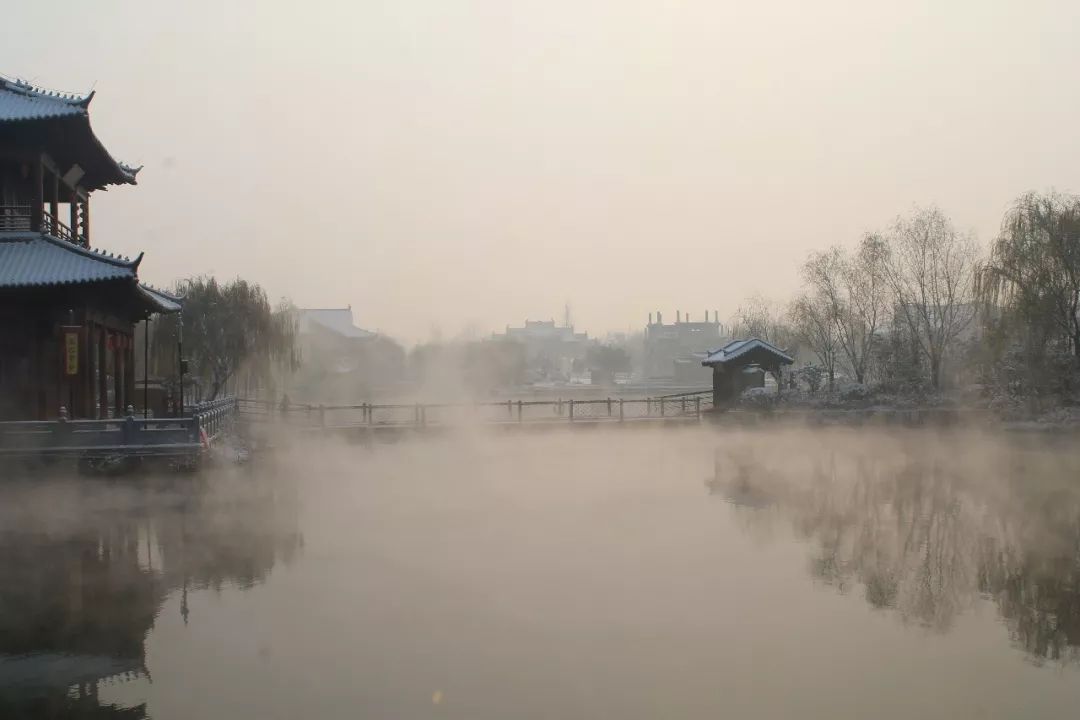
(336, 320)
(19, 100)
(160, 300)
(738, 348)
(22, 102)
(36, 259)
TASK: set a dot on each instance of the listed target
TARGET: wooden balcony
(27, 218)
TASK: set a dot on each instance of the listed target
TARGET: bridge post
(519, 411)
(571, 409)
(510, 408)
(683, 411)
(369, 413)
(661, 407)
(621, 410)
(697, 406)
(609, 407)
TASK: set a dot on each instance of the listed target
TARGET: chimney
(650, 318)
(678, 316)
(659, 318)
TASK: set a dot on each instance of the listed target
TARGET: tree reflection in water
(87, 565)
(927, 526)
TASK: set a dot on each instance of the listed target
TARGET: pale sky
(462, 165)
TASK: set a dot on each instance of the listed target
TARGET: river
(620, 573)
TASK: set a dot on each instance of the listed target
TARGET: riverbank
(862, 405)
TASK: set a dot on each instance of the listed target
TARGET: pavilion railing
(131, 435)
(15, 217)
(22, 217)
(214, 418)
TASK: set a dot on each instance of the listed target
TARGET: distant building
(68, 311)
(675, 351)
(341, 361)
(552, 352)
(337, 322)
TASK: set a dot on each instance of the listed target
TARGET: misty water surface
(630, 574)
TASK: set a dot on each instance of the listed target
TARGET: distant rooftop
(336, 320)
(542, 330)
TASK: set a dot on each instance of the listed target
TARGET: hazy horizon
(471, 165)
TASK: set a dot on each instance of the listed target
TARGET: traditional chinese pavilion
(68, 310)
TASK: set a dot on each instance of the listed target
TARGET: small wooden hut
(731, 363)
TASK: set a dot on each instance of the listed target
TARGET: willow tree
(1033, 276)
(229, 328)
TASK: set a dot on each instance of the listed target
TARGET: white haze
(470, 164)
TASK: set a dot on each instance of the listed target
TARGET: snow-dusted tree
(866, 306)
(760, 318)
(853, 289)
(812, 319)
(754, 319)
(929, 266)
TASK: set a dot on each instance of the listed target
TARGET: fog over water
(678, 573)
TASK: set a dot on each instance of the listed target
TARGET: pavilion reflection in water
(929, 531)
(82, 590)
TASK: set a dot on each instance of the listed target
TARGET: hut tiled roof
(739, 348)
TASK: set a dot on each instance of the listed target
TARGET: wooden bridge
(188, 438)
(680, 408)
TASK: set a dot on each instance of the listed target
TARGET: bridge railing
(684, 405)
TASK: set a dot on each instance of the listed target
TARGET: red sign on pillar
(71, 350)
